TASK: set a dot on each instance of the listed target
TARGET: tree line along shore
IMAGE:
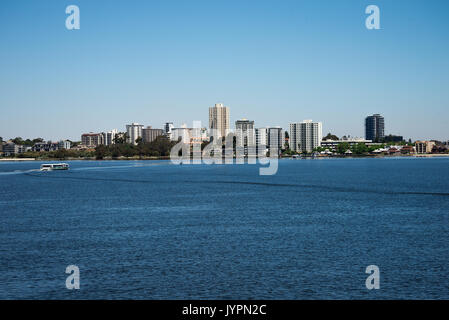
(159, 149)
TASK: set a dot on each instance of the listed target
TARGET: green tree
(101, 152)
(18, 140)
(342, 147)
(61, 154)
(360, 148)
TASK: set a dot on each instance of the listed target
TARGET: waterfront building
(375, 128)
(261, 140)
(219, 119)
(424, 146)
(189, 135)
(92, 139)
(168, 127)
(10, 148)
(246, 135)
(180, 134)
(149, 134)
(275, 138)
(305, 136)
(64, 144)
(133, 132)
(45, 146)
(109, 137)
(261, 136)
(407, 150)
(332, 145)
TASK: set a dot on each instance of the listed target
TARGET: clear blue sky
(274, 62)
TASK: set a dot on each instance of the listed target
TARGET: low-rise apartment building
(424, 146)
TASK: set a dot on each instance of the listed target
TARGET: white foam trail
(115, 167)
(136, 165)
(17, 172)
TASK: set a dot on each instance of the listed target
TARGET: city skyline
(278, 62)
(135, 129)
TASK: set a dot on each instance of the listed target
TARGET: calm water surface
(152, 230)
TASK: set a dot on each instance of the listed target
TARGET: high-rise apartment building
(246, 135)
(133, 131)
(374, 127)
(109, 137)
(149, 134)
(261, 140)
(167, 127)
(219, 119)
(305, 136)
(275, 138)
(261, 136)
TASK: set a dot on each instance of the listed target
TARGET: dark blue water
(152, 230)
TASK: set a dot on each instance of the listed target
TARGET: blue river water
(153, 230)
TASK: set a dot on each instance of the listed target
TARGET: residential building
(64, 144)
(182, 133)
(261, 136)
(92, 139)
(149, 134)
(10, 148)
(198, 135)
(275, 138)
(424, 146)
(45, 146)
(168, 127)
(109, 137)
(407, 150)
(305, 136)
(375, 128)
(332, 145)
(219, 119)
(133, 132)
(189, 135)
(246, 135)
(261, 140)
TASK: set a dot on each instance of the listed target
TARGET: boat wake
(304, 187)
(7, 173)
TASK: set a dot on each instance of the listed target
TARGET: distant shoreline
(168, 158)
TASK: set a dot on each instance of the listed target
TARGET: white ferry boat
(54, 166)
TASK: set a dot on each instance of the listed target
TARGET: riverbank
(17, 159)
(87, 158)
(282, 157)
